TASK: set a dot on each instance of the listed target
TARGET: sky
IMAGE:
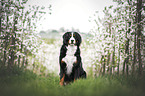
(70, 13)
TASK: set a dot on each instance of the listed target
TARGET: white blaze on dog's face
(72, 40)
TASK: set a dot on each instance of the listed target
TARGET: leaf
(110, 7)
(105, 8)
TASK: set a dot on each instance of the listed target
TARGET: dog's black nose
(72, 41)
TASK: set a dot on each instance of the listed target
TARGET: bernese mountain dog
(70, 60)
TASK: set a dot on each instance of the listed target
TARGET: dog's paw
(64, 60)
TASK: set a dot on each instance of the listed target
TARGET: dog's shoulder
(63, 51)
(78, 52)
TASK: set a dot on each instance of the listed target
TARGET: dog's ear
(65, 38)
(78, 38)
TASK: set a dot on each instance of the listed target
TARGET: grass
(48, 40)
(30, 84)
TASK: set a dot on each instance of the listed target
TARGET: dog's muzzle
(72, 41)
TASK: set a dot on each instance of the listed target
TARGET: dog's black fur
(77, 70)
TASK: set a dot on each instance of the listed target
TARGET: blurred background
(112, 32)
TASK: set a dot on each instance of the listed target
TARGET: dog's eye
(73, 35)
(70, 35)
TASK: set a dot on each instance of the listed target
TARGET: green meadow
(29, 84)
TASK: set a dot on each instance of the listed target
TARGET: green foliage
(18, 38)
(115, 34)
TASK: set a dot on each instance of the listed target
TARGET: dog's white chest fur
(70, 58)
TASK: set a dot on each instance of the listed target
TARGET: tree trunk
(108, 61)
(12, 43)
(19, 60)
(104, 66)
(113, 56)
(134, 55)
(111, 65)
(139, 7)
(123, 71)
(101, 65)
(23, 63)
(1, 43)
(6, 43)
(118, 59)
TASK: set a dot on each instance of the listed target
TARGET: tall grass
(30, 84)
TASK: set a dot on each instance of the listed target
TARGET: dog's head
(72, 38)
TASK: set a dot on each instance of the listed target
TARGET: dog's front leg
(63, 65)
(62, 80)
(76, 73)
(76, 64)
